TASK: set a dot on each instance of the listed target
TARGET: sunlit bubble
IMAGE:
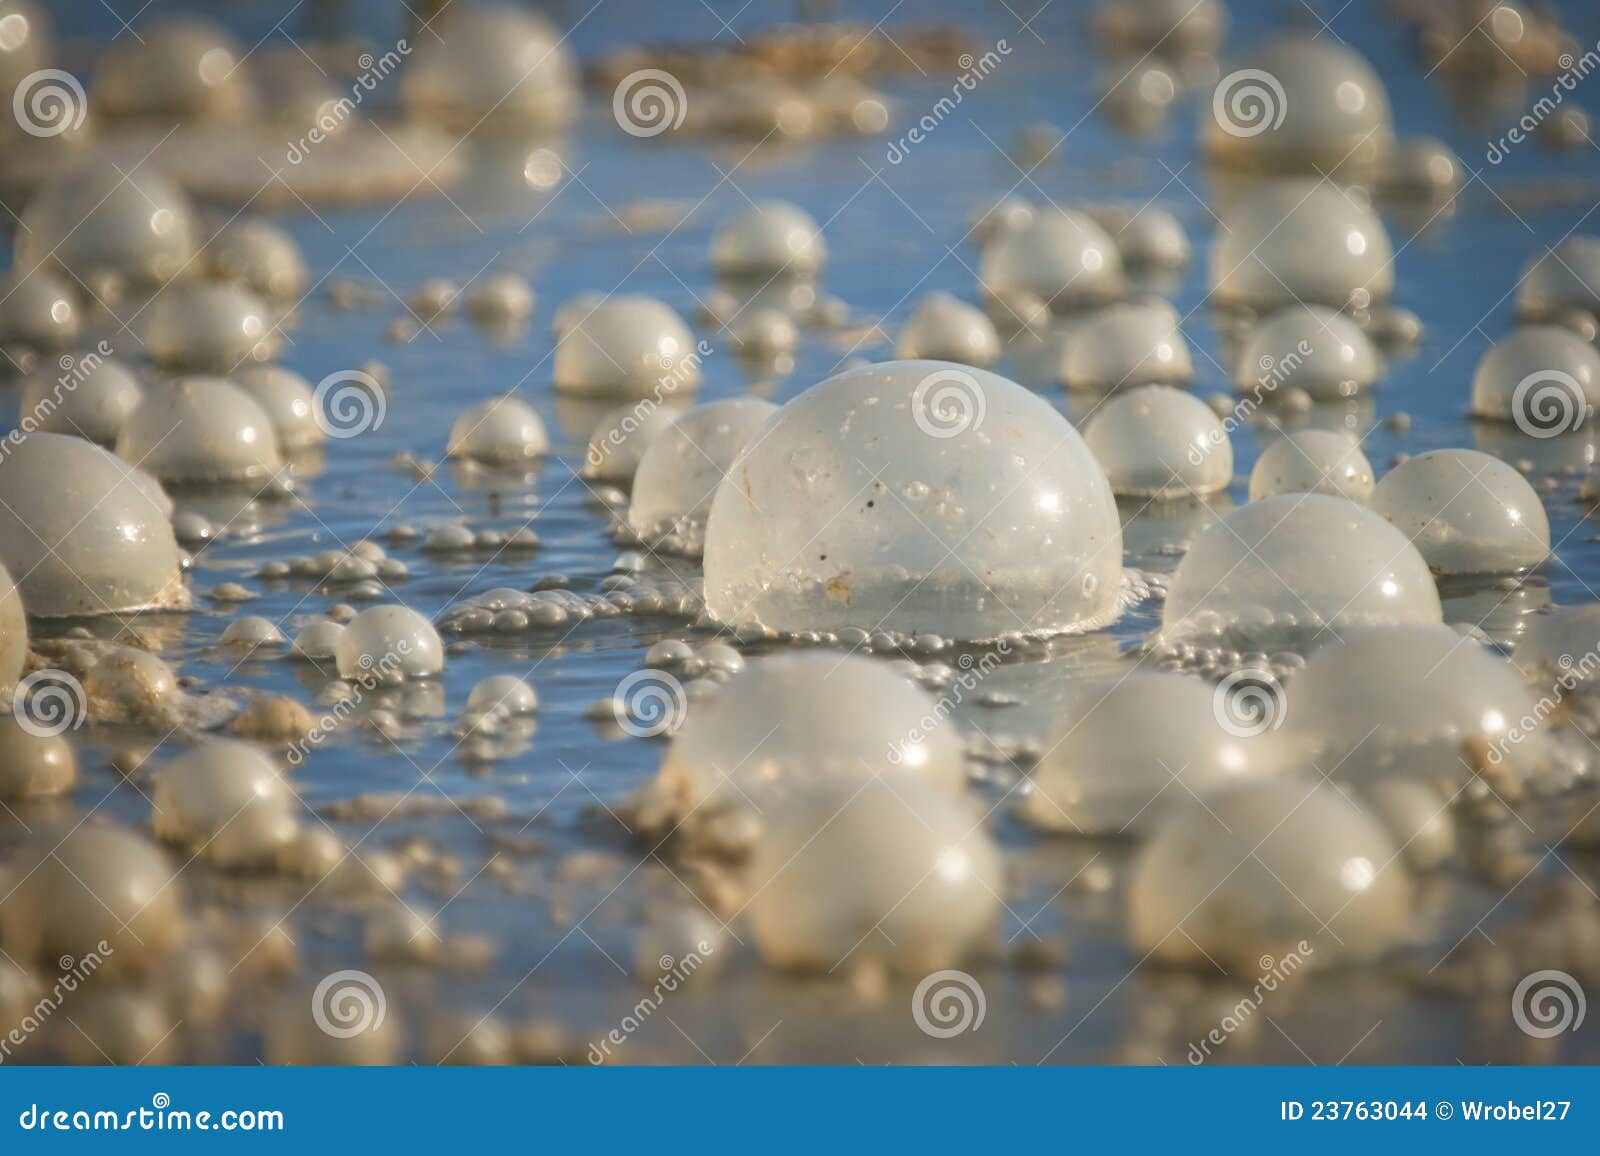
(621, 438)
(37, 310)
(183, 67)
(1312, 461)
(680, 472)
(228, 802)
(491, 64)
(1121, 346)
(200, 429)
(389, 644)
(1062, 258)
(209, 328)
(773, 237)
(1467, 512)
(1544, 378)
(105, 392)
(945, 328)
(1147, 237)
(624, 346)
(1159, 442)
(94, 219)
(286, 397)
(1565, 277)
(259, 255)
(1311, 347)
(502, 430)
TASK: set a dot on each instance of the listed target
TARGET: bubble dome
(680, 472)
(502, 430)
(1313, 461)
(916, 496)
(184, 68)
(92, 398)
(621, 438)
(1290, 569)
(82, 534)
(1299, 104)
(1467, 512)
(1405, 700)
(93, 221)
(945, 328)
(227, 801)
(1159, 442)
(1124, 753)
(1544, 378)
(1063, 258)
(1565, 277)
(907, 878)
(1315, 348)
(627, 346)
(1300, 241)
(260, 256)
(787, 722)
(1124, 345)
(388, 645)
(490, 62)
(37, 310)
(287, 399)
(1147, 237)
(198, 430)
(770, 238)
(1263, 868)
(209, 328)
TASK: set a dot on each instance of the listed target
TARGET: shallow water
(895, 232)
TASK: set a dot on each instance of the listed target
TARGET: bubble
(621, 438)
(1062, 257)
(180, 67)
(84, 535)
(1123, 754)
(132, 686)
(490, 62)
(34, 765)
(1417, 816)
(1421, 167)
(1124, 345)
(789, 721)
(260, 256)
(93, 399)
(505, 691)
(1287, 570)
(1544, 378)
(252, 630)
(13, 632)
(679, 474)
(199, 430)
(503, 430)
(1563, 277)
(1267, 869)
(319, 641)
(94, 219)
(916, 496)
(1146, 236)
(1312, 347)
(771, 238)
(628, 346)
(500, 298)
(286, 398)
(857, 873)
(1467, 512)
(226, 801)
(1159, 442)
(37, 309)
(209, 328)
(389, 644)
(1299, 104)
(77, 887)
(1313, 461)
(764, 333)
(1403, 701)
(434, 298)
(1302, 241)
(991, 219)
